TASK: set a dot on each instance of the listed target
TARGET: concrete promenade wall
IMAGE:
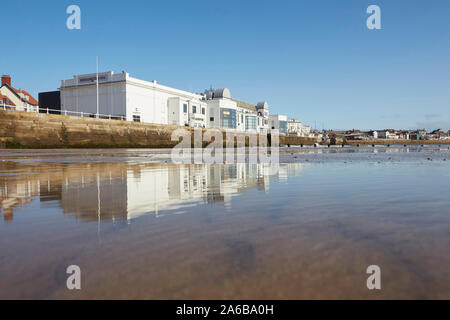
(35, 130)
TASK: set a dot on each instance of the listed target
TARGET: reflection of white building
(17, 193)
(173, 188)
(115, 192)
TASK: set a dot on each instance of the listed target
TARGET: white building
(387, 134)
(278, 122)
(187, 112)
(296, 128)
(246, 116)
(227, 113)
(133, 99)
(263, 117)
(222, 110)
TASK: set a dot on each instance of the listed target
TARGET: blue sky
(314, 60)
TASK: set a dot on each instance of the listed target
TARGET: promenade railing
(67, 113)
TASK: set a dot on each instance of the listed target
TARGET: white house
(387, 134)
(296, 128)
(133, 99)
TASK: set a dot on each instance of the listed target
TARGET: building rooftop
(22, 94)
(245, 105)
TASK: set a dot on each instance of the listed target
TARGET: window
(228, 118)
(203, 110)
(283, 127)
(136, 118)
(211, 119)
(250, 124)
(185, 108)
(194, 109)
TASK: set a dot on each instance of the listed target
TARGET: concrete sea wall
(34, 130)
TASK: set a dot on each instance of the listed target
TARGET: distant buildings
(120, 96)
(388, 134)
(16, 99)
(296, 128)
(391, 134)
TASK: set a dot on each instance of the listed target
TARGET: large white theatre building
(131, 99)
(134, 99)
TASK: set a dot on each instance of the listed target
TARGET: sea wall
(35, 130)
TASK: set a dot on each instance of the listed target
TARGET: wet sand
(140, 228)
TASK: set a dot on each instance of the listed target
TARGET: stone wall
(35, 130)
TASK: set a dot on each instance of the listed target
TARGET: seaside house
(6, 103)
(437, 134)
(417, 135)
(296, 128)
(389, 134)
(16, 99)
(373, 134)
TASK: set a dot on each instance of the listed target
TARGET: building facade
(132, 99)
(263, 117)
(279, 122)
(296, 128)
(222, 110)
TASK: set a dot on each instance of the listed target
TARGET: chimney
(6, 79)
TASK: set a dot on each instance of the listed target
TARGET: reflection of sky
(93, 192)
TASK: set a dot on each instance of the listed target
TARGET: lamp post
(97, 90)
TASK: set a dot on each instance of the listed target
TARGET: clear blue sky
(315, 60)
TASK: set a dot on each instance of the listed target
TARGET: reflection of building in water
(16, 193)
(99, 193)
(118, 191)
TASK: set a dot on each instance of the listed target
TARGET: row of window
(194, 109)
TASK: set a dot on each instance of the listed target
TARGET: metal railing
(67, 113)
